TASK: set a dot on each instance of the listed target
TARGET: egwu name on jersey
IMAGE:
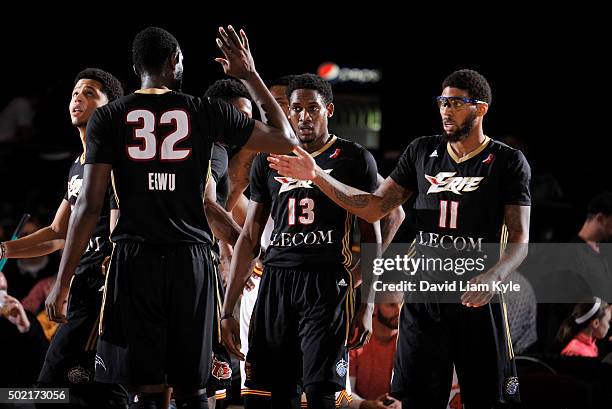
(311, 232)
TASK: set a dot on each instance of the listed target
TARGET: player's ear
(482, 109)
(330, 109)
(175, 58)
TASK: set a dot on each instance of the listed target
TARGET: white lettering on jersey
(448, 182)
(296, 239)
(74, 186)
(288, 184)
(448, 242)
(162, 181)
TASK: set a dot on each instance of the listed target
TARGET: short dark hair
(227, 90)
(280, 81)
(471, 81)
(111, 87)
(311, 81)
(151, 49)
(601, 203)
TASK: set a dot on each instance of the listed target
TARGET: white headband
(592, 311)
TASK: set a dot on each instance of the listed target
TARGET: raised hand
(238, 61)
(302, 166)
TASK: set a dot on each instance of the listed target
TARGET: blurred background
(385, 67)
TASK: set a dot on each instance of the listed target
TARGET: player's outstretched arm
(246, 251)
(368, 206)
(80, 228)
(277, 136)
(44, 241)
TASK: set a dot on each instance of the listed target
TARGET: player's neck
(381, 331)
(588, 233)
(316, 144)
(82, 133)
(472, 142)
(155, 81)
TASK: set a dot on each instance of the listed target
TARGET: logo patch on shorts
(221, 370)
(78, 374)
(512, 385)
(341, 368)
(248, 370)
(100, 361)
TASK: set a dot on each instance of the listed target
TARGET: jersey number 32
(145, 134)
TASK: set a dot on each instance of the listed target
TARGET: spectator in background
(35, 300)
(22, 342)
(17, 119)
(371, 366)
(589, 322)
(25, 273)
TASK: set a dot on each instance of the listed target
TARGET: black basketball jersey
(159, 145)
(218, 171)
(99, 244)
(311, 232)
(460, 201)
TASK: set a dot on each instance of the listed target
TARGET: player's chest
(74, 184)
(442, 177)
(342, 169)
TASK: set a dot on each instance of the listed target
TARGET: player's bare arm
(516, 219)
(238, 171)
(80, 228)
(220, 221)
(246, 251)
(277, 136)
(44, 241)
(368, 206)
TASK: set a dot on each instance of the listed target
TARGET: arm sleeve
(405, 173)
(369, 178)
(228, 125)
(259, 180)
(99, 138)
(218, 162)
(517, 178)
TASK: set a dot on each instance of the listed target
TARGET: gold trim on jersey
(332, 139)
(470, 155)
(218, 295)
(153, 91)
(346, 249)
(256, 392)
(258, 271)
(503, 242)
(114, 186)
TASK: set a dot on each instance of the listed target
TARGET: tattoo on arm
(393, 197)
(516, 219)
(358, 201)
